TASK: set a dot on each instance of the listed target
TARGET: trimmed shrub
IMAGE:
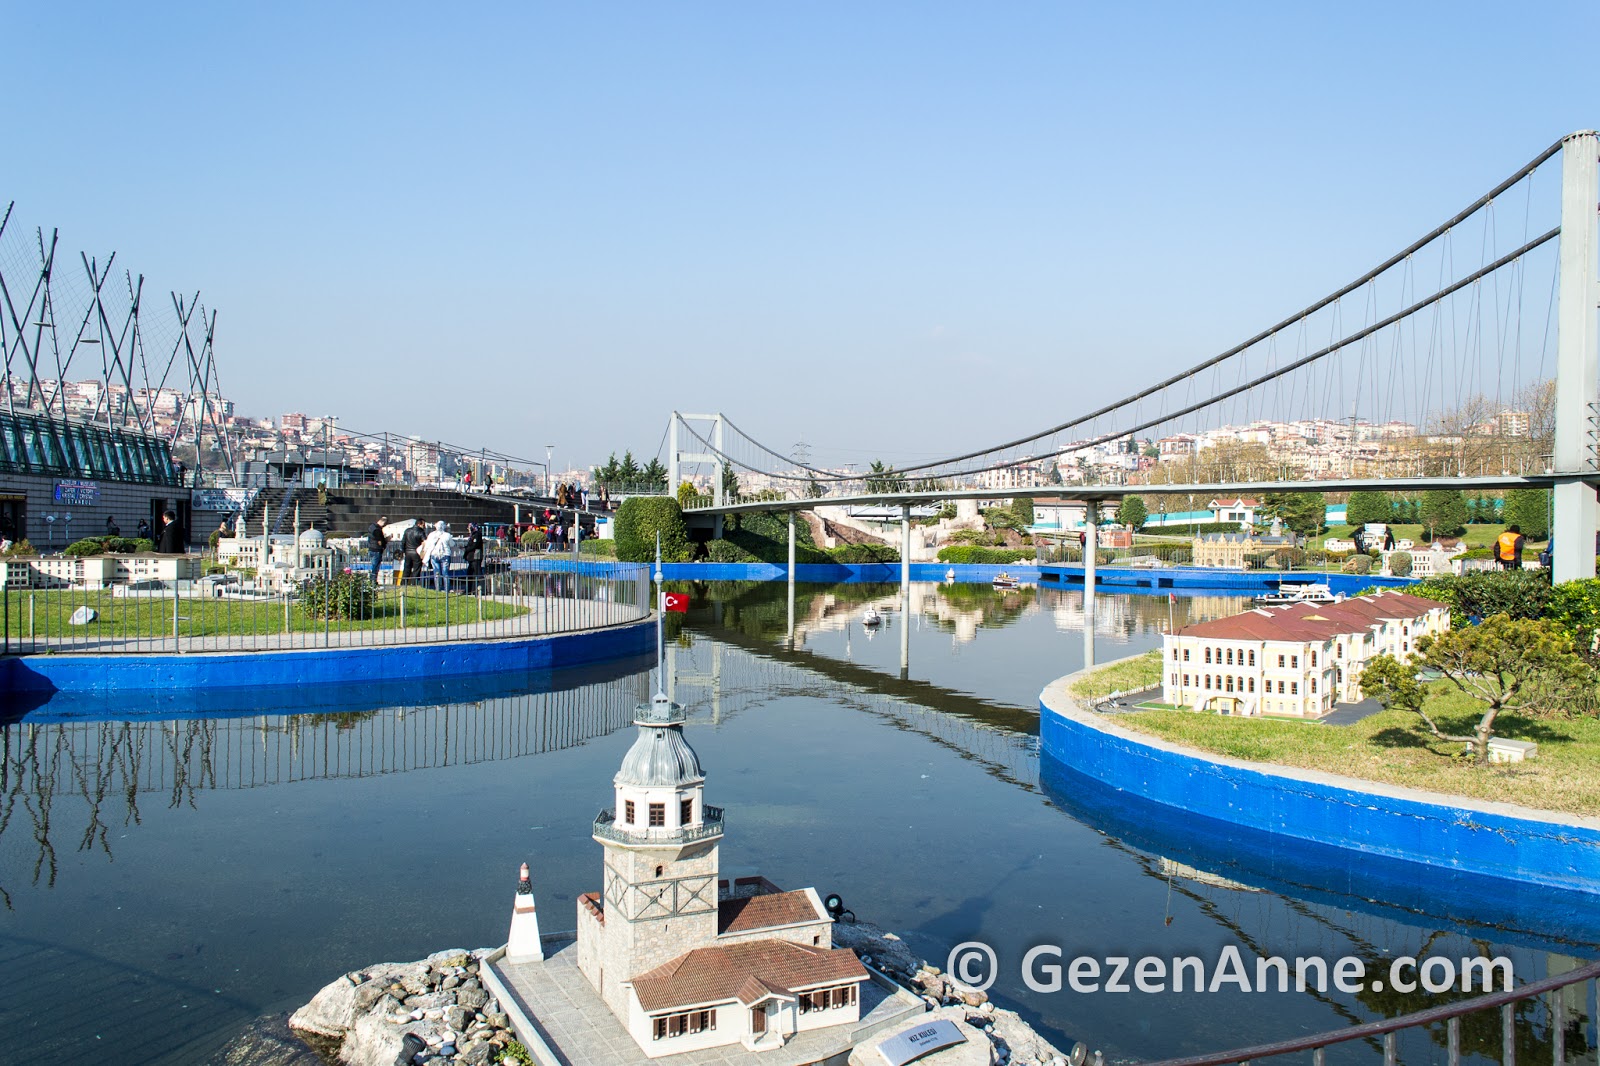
(972, 553)
(638, 520)
(865, 553)
(764, 538)
(1357, 564)
(1485, 593)
(726, 551)
(969, 536)
(349, 594)
(86, 546)
(1400, 564)
(533, 538)
(1289, 558)
(20, 547)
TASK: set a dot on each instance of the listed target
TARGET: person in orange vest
(1508, 548)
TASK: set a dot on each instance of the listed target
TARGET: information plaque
(903, 1047)
(78, 493)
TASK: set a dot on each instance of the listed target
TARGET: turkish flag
(676, 601)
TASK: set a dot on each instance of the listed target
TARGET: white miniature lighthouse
(524, 945)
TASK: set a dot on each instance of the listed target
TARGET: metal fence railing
(541, 596)
(1544, 1007)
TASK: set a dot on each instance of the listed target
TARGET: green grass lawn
(1387, 747)
(1476, 537)
(214, 617)
(1124, 675)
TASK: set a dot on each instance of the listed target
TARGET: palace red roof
(1314, 621)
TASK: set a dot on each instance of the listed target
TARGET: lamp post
(50, 524)
(549, 452)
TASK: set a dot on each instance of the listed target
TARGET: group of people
(170, 541)
(572, 496)
(428, 548)
(1363, 545)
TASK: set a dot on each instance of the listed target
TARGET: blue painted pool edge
(108, 673)
(1484, 839)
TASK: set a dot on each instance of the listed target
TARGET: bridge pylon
(677, 456)
(1576, 514)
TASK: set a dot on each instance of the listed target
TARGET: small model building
(684, 960)
(1295, 661)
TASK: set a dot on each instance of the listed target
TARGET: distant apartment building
(1295, 661)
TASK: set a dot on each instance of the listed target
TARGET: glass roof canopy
(31, 444)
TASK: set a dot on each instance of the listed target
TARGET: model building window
(695, 1021)
(627, 811)
(685, 811)
(658, 814)
(1252, 656)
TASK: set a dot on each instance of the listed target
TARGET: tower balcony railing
(606, 827)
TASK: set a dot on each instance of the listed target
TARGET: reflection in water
(258, 854)
(55, 776)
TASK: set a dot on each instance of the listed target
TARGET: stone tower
(660, 843)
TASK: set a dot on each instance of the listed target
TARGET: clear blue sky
(888, 229)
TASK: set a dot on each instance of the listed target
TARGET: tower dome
(660, 758)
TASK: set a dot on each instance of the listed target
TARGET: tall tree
(608, 474)
(1132, 513)
(1444, 511)
(1529, 510)
(629, 472)
(881, 478)
(730, 482)
(1302, 512)
(1367, 507)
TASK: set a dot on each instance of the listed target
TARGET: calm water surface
(167, 881)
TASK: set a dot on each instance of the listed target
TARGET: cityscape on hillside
(1306, 448)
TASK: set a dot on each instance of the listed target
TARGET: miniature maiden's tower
(683, 959)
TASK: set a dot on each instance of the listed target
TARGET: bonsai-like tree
(1513, 664)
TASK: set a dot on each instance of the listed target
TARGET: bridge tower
(677, 456)
(1577, 362)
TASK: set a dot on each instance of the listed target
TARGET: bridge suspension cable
(1487, 315)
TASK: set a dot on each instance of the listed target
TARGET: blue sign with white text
(77, 493)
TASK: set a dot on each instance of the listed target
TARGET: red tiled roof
(718, 974)
(748, 913)
(1313, 621)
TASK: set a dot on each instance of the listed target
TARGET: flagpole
(661, 614)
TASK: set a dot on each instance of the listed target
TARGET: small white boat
(950, 574)
(1003, 580)
(1307, 593)
(871, 618)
